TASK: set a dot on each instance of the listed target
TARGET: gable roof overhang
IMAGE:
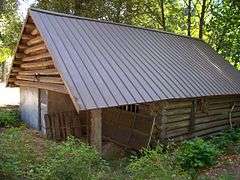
(105, 64)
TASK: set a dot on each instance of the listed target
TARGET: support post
(96, 129)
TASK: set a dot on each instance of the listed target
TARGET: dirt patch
(227, 165)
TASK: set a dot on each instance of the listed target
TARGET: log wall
(185, 119)
(176, 120)
(33, 65)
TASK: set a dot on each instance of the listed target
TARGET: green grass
(9, 116)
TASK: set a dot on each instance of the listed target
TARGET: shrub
(9, 117)
(18, 157)
(155, 164)
(228, 141)
(196, 153)
(25, 155)
(73, 160)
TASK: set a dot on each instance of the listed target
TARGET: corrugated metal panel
(106, 64)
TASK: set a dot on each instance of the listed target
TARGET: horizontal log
(177, 125)
(35, 32)
(178, 104)
(40, 72)
(219, 106)
(17, 62)
(36, 57)
(13, 74)
(35, 41)
(27, 37)
(20, 46)
(179, 117)
(48, 86)
(12, 80)
(29, 26)
(177, 132)
(16, 69)
(178, 111)
(37, 64)
(55, 80)
(19, 55)
(35, 48)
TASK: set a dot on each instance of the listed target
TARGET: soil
(227, 165)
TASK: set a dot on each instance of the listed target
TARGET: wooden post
(96, 129)
(162, 121)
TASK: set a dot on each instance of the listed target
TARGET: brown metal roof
(106, 64)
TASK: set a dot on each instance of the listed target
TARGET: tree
(224, 30)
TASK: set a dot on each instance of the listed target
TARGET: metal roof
(106, 64)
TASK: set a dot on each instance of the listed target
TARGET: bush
(9, 117)
(155, 164)
(228, 141)
(73, 160)
(26, 155)
(18, 157)
(196, 153)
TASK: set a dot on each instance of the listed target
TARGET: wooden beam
(54, 80)
(96, 129)
(37, 64)
(40, 72)
(35, 32)
(29, 26)
(17, 62)
(48, 86)
(35, 48)
(20, 46)
(27, 37)
(34, 41)
(36, 57)
(19, 55)
(16, 69)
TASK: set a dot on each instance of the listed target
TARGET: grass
(26, 154)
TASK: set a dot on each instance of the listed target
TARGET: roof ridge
(110, 22)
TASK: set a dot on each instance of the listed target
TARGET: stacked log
(213, 119)
(33, 65)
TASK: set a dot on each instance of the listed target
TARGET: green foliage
(228, 141)
(197, 153)
(17, 153)
(73, 160)
(9, 117)
(25, 155)
(224, 31)
(10, 24)
(154, 164)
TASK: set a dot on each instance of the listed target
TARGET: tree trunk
(201, 21)
(189, 17)
(2, 71)
(163, 14)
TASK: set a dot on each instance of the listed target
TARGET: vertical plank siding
(61, 125)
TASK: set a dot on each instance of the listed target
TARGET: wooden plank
(29, 26)
(178, 104)
(96, 129)
(16, 69)
(36, 57)
(19, 55)
(48, 86)
(26, 37)
(35, 48)
(34, 32)
(21, 46)
(178, 111)
(37, 64)
(35, 41)
(55, 80)
(40, 72)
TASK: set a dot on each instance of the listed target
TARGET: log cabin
(102, 81)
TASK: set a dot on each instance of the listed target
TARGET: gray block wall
(29, 106)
